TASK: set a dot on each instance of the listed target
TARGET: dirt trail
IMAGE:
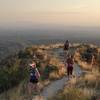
(55, 86)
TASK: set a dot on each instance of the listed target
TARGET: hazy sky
(51, 12)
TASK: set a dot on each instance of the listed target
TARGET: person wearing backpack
(66, 47)
(34, 78)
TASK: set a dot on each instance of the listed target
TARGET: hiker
(34, 79)
(69, 65)
(66, 47)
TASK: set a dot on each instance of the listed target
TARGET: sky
(14, 13)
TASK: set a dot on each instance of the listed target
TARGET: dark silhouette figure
(69, 65)
(66, 47)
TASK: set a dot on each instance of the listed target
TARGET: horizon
(52, 35)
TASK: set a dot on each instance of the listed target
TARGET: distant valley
(11, 41)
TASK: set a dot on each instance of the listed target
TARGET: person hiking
(66, 47)
(69, 65)
(34, 79)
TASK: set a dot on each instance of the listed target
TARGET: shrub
(70, 94)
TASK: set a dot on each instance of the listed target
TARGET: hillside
(86, 87)
(14, 71)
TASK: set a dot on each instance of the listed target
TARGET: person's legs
(32, 89)
(34, 86)
(68, 72)
(71, 71)
(37, 87)
(30, 85)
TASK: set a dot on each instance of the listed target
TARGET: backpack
(34, 73)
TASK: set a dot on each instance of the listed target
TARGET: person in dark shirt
(69, 65)
(66, 48)
(34, 78)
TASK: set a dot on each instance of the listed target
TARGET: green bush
(11, 76)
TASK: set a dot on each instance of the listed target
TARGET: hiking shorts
(34, 81)
(69, 70)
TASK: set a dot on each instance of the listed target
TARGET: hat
(33, 65)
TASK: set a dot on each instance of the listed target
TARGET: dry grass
(84, 88)
(53, 75)
(71, 94)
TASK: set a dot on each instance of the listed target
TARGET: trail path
(55, 86)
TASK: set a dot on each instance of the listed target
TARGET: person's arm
(37, 73)
(66, 63)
